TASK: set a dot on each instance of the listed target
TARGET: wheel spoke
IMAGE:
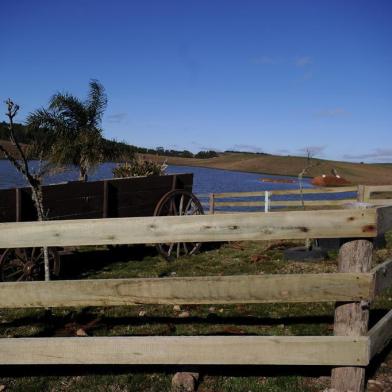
(178, 249)
(170, 249)
(178, 202)
(181, 205)
(17, 272)
(173, 207)
(37, 258)
(21, 255)
(189, 204)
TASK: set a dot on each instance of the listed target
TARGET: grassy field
(215, 259)
(357, 173)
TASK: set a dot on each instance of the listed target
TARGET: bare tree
(309, 165)
(20, 161)
(310, 152)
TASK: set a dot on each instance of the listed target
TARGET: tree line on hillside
(122, 149)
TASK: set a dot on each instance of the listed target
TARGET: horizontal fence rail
(193, 290)
(217, 203)
(187, 350)
(356, 223)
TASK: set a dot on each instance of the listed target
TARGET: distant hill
(357, 173)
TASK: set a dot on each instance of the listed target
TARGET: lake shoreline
(287, 166)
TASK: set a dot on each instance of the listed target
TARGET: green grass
(226, 259)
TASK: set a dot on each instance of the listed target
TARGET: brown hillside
(376, 174)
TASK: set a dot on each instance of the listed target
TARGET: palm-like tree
(76, 125)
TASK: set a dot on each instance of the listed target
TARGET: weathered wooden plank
(204, 228)
(238, 194)
(239, 203)
(380, 202)
(188, 290)
(287, 192)
(105, 204)
(384, 219)
(186, 350)
(72, 190)
(315, 190)
(18, 205)
(75, 208)
(378, 188)
(380, 335)
(382, 276)
(341, 202)
(9, 199)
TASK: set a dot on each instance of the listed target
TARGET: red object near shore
(329, 180)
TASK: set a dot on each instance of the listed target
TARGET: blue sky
(271, 76)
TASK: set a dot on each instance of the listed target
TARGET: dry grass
(357, 173)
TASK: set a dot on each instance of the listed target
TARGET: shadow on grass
(215, 370)
(53, 324)
(80, 263)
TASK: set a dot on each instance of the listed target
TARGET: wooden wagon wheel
(27, 264)
(178, 202)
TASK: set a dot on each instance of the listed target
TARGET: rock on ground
(185, 382)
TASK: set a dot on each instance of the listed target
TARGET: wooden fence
(266, 201)
(353, 284)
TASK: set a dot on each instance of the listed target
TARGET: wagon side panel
(139, 196)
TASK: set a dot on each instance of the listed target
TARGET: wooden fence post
(361, 193)
(105, 207)
(351, 319)
(212, 204)
(266, 201)
(18, 203)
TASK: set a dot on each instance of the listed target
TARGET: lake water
(205, 180)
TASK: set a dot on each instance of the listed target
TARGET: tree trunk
(38, 201)
(83, 174)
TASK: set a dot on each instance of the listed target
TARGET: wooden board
(7, 205)
(186, 350)
(204, 228)
(315, 190)
(285, 192)
(384, 219)
(238, 194)
(188, 290)
(298, 203)
(380, 335)
(378, 188)
(239, 204)
(383, 277)
(380, 202)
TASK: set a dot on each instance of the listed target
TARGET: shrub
(206, 154)
(139, 167)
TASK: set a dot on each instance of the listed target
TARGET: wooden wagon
(114, 198)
